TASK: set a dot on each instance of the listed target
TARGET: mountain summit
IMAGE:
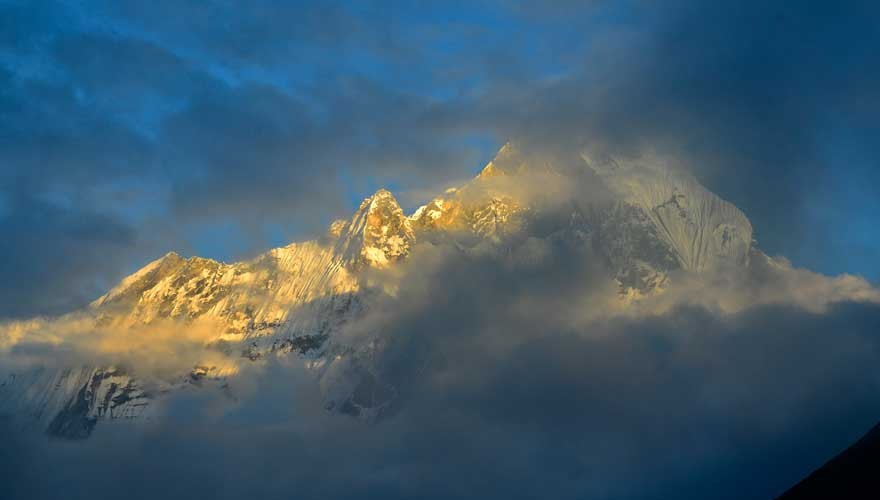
(378, 234)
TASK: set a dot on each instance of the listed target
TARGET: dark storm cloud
(55, 258)
(511, 389)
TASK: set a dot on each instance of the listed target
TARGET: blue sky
(222, 129)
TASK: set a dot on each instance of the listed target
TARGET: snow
(379, 233)
(703, 229)
(139, 275)
(418, 213)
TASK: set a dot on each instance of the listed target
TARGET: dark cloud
(54, 258)
(511, 388)
(61, 244)
(255, 150)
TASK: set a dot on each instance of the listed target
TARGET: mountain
(641, 219)
(852, 475)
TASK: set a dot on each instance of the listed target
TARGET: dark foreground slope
(852, 475)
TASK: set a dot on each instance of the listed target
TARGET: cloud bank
(520, 376)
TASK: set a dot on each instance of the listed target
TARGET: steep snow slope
(702, 229)
(69, 402)
(644, 221)
(245, 296)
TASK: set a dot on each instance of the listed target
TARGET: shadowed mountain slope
(852, 475)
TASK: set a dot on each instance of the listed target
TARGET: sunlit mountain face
(640, 229)
(500, 250)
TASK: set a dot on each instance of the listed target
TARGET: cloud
(163, 350)
(518, 378)
(54, 258)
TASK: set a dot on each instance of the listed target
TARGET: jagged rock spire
(378, 234)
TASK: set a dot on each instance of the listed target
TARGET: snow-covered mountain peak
(512, 160)
(641, 219)
(132, 286)
(501, 163)
(377, 235)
